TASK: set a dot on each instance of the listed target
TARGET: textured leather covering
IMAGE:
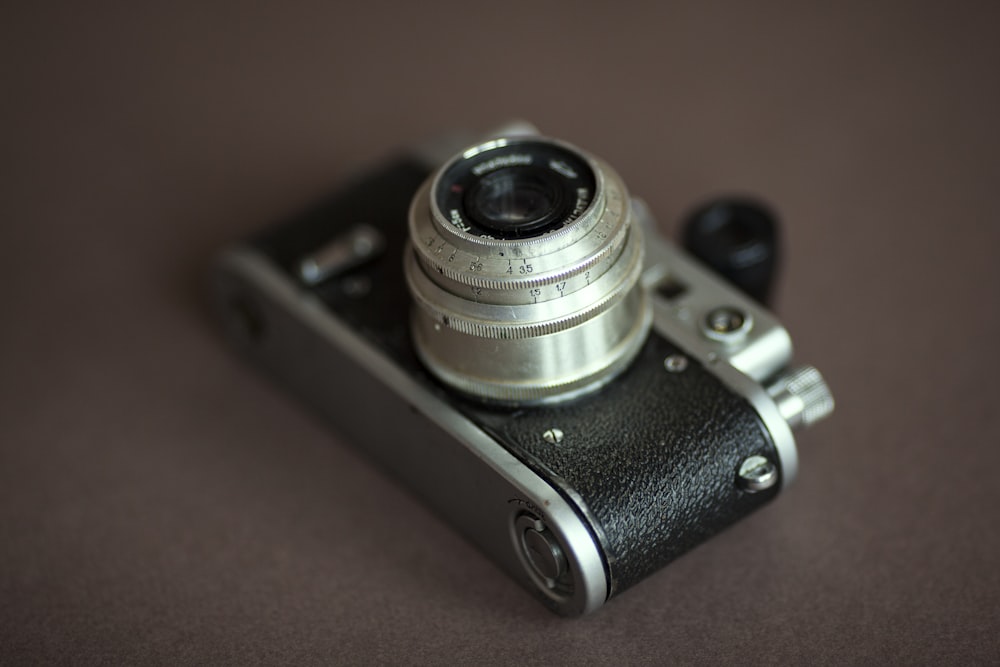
(653, 456)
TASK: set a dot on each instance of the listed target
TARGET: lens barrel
(524, 267)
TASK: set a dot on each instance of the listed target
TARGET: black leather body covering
(650, 461)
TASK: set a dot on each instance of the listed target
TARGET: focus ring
(620, 282)
(542, 390)
(510, 286)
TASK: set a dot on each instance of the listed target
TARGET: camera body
(578, 492)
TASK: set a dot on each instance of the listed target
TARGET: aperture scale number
(519, 268)
(523, 268)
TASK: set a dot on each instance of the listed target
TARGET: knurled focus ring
(514, 284)
(508, 322)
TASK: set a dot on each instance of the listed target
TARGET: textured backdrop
(160, 502)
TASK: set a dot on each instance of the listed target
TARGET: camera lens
(516, 190)
(524, 267)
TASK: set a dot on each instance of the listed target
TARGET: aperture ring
(515, 290)
(521, 321)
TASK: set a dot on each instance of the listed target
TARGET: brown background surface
(160, 502)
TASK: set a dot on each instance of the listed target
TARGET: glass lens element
(515, 200)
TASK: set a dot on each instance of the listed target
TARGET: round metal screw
(725, 320)
(757, 474)
(727, 324)
(553, 436)
(675, 363)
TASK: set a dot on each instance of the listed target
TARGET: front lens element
(515, 190)
(515, 202)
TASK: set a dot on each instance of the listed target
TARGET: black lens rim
(567, 174)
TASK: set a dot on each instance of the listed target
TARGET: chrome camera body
(505, 331)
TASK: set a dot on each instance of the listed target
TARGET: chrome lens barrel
(524, 267)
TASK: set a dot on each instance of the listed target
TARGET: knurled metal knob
(802, 396)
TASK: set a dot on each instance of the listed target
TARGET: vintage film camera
(509, 336)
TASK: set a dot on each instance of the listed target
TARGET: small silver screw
(757, 474)
(727, 324)
(675, 363)
(553, 436)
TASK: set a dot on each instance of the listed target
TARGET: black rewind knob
(740, 240)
